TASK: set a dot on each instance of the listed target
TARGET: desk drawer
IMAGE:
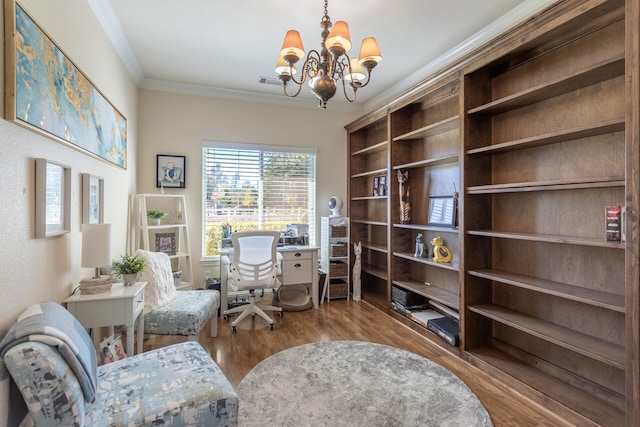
(296, 255)
(296, 271)
(138, 305)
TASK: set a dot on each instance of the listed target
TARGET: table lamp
(96, 253)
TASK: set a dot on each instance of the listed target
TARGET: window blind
(253, 187)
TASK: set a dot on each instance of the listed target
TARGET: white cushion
(160, 287)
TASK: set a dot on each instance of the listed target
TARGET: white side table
(122, 305)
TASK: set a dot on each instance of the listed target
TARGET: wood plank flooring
(237, 353)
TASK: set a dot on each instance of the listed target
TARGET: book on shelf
(614, 223)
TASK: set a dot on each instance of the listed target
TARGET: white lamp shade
(357, 72)
(369, 51)
(96, 245)
(283, 69)
(339, 37)
(292, 46)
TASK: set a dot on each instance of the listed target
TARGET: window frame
(262, 148)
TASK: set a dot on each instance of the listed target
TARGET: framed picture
(47, 93)
(53, 199)
(166, 242)
(170, 171)
(92, 199)
(442, 211)
(383, 185)
(375, 186)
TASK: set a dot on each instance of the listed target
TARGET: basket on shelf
(337, 269)
(339, 249)
(338, 290)
(338, 231)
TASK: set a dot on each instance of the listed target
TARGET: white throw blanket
(160, 287)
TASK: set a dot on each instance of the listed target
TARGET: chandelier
(331, 65)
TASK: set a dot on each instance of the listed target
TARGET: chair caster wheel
(234, 329)
(225, 317)
(281, 313)
(272, 326)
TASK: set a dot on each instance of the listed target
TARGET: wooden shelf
(591, 129)
(584, 403)
(370, 173)
(165, 226)
(374, 247)
(428, 261)
(366, 222)
(382, 146)
(437, 161)
(595, 348)
(578, 79)
(430, 130)
(427, 228)
(549, 238)
(571, 292)
(566, 184)
(369, 198)
(375, 271)
(434, 293)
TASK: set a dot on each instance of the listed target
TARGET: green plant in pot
(128, 266)
(156, 215)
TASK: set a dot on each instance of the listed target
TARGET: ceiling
(223, 48)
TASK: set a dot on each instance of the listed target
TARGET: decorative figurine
(419, 247)
(405, 198)
(357, 269)
(440, 252)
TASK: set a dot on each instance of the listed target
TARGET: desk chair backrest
(255, 261)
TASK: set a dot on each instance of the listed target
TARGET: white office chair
(255, 265)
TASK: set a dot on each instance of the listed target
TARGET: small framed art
(166, 242)
(92, 199)
(170, 171)
(53, 199)
(442, 211)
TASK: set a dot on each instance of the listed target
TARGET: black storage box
(407, 298)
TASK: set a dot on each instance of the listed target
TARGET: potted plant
(128, 266)
(156, 215)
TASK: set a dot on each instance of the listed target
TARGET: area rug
(353, 383)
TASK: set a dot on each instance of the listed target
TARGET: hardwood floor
(237, 353)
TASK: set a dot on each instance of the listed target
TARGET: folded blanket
(51, 324)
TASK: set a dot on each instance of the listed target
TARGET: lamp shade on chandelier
(329, 67)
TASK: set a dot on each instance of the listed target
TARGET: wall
(176, 124)
(35, 270)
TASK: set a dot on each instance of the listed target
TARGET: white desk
(299, 265)
(122, 305)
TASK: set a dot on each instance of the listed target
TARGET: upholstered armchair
(59, 384)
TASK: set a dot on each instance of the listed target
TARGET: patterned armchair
(178, 385)
(171, 312)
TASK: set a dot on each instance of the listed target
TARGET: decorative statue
(440, 252)
(405, 198)
(357, 269)
(419, 247)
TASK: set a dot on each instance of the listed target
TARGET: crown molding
(507, 21)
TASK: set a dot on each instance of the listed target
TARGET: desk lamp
(96, 253)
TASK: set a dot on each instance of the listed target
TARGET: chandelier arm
(344, 90)
(313, 57)
(284, 87)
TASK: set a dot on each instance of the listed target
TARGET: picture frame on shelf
(53, 198)
(442, 211)
(92, 199)
(170, 171)
(166, 242)
(382, 188)
(376, 186)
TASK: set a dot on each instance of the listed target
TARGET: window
(254, 187)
